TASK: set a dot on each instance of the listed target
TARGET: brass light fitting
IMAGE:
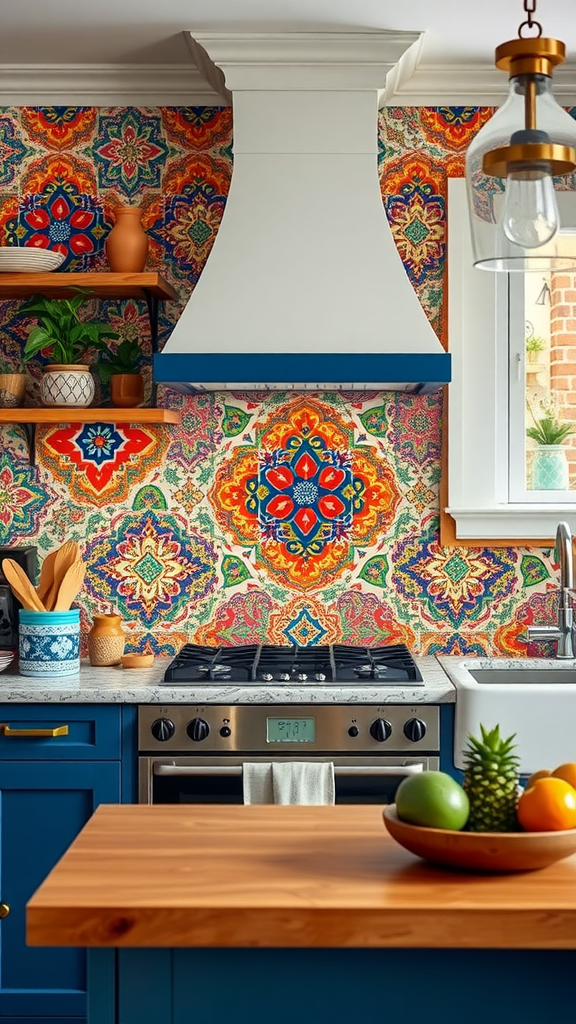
(531, 151)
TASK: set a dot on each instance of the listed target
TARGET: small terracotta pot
(106, 640)
(127, 244)
(12, 389)
(126, 389)
(67, 385)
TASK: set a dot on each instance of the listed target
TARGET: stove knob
(225, 731)
(285, 677)
(267, 677)
(320, 677)
(162, 729)
(415, 729)
(198, 729)
(353, 730)
(380, 729)
(301, 677)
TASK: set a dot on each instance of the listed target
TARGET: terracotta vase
(127, 244)
(106, 640)
(126, 389)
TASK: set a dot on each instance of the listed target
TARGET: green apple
(432, 799)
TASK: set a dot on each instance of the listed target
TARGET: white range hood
(304, 288)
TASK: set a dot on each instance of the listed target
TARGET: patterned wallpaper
(296, 518)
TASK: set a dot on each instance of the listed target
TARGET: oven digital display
(290, 730)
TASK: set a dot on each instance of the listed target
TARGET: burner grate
(267, 663)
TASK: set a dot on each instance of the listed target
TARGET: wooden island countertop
(269, 876)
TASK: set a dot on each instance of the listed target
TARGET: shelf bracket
(153, 305)
(30, 431)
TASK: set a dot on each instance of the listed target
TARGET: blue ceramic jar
(49, 643)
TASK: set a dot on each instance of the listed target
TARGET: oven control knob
(380, 729)
(415, 729)
(162, 729)
(225, 731)
(198, 729)
(353, 730)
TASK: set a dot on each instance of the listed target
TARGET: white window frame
(483, 364)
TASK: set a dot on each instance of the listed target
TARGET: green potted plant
(550, 469)
(12, 385)
(63, 338)
(120, 369)
(535, 344)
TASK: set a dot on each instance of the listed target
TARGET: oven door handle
(236, 769)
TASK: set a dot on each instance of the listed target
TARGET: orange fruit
(548, 806)
(566, 772)
(542, 774)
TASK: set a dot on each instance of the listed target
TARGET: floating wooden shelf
(104, 285)
(91, 415)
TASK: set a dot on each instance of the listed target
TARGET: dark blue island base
(332, 986)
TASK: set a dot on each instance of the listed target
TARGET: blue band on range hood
(415, 373)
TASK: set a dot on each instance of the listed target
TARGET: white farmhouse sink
(532, 697)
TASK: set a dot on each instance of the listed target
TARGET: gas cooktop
(257, 664)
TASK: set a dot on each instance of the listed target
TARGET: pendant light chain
(530, 23)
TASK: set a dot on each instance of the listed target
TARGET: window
(495, 397)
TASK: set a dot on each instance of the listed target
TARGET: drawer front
(60, 732)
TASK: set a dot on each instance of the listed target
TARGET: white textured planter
(67, 386)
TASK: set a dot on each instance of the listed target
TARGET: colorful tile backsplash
(295, 518)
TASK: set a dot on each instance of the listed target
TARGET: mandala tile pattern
(21, 501)
(243, 619)
(362, 571)
(99, 462)
(460, 584)
(12, 151)
(63, 220)
(304, 494)
(198, 128)
(130, 151)
(152, 565)
(59, 128)
(367, 620)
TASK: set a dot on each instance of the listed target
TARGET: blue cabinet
(50, 784)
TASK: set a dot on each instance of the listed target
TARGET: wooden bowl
(481, 851)
(137, 660)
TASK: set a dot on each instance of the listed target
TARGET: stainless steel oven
(195, 753)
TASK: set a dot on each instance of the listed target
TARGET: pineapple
(491, 782)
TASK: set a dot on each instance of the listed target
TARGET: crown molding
(106, 85)
(318, 60)
(477, 85)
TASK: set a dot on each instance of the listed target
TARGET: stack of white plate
(6, 658)
(28, 260)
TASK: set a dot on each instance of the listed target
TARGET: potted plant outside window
(63, 338)
(550, 471)
(12, 385)
(119, 369)
(535, 344)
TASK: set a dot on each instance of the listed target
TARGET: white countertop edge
(117, 685)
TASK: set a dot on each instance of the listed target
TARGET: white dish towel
(288, 782)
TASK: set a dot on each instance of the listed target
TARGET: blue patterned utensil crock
(49, 643)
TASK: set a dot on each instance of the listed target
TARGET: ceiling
(151, 31)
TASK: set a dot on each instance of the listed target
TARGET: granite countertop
(118, 685)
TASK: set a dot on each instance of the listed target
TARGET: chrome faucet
(564, 631)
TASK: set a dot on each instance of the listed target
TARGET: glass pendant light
(521, 160)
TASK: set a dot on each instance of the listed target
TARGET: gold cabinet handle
(60, 730)
(4, 910)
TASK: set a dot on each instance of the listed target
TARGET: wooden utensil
(70, 586)
(21, 586)
(64, 558)
(46, 576)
